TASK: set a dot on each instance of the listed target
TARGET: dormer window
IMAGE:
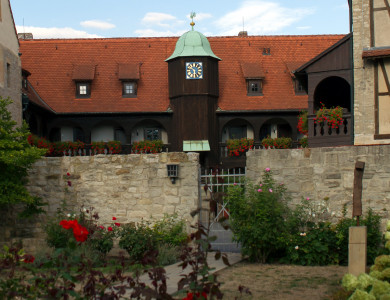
(83, 89)
(254, 76)
(83, 76)
(129, 75)
(298, 87)
(255, 87)
(129, 89)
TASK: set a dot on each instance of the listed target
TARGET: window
(8, 75)
(83, 90)
(298, 87)
(255, 87)
(151, 134)
(237, 132)
(129, 89)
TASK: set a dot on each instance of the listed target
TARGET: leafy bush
(170, 230)
(277, 143)
(16, 157)
(374, 236)
(236, 147)
(138, 240)
(258, 214)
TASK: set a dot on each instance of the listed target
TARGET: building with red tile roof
(123, 88)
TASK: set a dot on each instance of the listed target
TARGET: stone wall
(129, 187)
(328, 172)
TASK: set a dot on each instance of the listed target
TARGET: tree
(16, 157)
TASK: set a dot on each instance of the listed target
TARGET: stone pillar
(357, 256)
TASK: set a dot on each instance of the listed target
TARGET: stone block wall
(129, 187)
(328, 172)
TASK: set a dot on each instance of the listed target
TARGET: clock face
(194, 70)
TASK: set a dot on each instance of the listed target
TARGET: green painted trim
(196, 146)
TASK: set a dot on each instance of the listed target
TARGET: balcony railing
(88, 151)
(323, 135)
(224, 152)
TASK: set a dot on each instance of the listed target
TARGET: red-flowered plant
(333, 116)
(80, 233)
(114, 147)
(302, 122)
(147, 146)
(277, 143)
(238, 146)
(191, 296)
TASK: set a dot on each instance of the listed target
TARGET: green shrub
(147, 146)
(170, 230)
(374, 236)
(16, 157)
(258, 215)
(137, 240)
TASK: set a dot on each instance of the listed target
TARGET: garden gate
(213, 184)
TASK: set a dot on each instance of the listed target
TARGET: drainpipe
(350, 2)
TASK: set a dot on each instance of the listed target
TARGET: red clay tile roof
(128, 71)
(252, 70)
(51, 63)
(83, 72)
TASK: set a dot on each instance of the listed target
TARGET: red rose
(113, 218)
(28, 259)
(101, 227)
(117, 224)
(67, 174)
(109, 228)
(80, 233)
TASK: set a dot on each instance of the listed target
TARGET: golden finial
(192, 16)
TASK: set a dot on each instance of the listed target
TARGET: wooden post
(357, 190)
(357, 250)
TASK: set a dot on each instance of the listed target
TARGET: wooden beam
(387, 6)
(357, 189)
(382, 64)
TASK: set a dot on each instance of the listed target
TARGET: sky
(151, 18)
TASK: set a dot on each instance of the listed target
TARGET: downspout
(352, 88)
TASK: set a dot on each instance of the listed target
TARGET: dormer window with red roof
(83, 76)
(254, 75)
(129, 75)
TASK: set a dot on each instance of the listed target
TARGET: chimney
(243, 33)
(25, 36)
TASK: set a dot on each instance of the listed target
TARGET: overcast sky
(129, 18)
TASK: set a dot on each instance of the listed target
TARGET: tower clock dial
(194, 70)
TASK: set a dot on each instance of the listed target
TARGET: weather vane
(192, 16)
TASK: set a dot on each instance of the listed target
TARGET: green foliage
(137, 240)
(16, 157)
(316, 246)
(236, 147)
(304, 142)
(170, 230)
(332, 116)
(258, 215)
(277, 143)
(374, 236)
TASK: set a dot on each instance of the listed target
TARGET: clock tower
(193, 92)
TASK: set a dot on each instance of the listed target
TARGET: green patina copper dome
(192, 43)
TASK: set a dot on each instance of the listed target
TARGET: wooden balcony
(323, 135)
